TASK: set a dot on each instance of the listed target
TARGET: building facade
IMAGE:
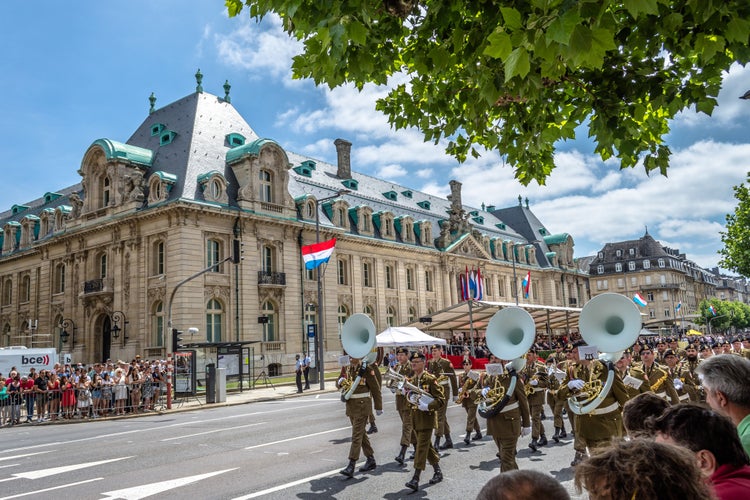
(100, 268)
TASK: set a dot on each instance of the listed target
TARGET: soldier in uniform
(675, 346)
(706, 351)
(661, 347)
(633, 377)
(559, 354)
(512, 421)
(674, 368)
(658, 377)
(371, 418)
(598, 427)
(424, 421)
(535, 379)
(468, 379)
(689, 377)
(358, 408)
(556, 404)
(403, 367)
(440, 366)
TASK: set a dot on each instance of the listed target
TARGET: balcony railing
(661, 286)
(270, 278)
(273, 346)
(97, 285)
(271, 207)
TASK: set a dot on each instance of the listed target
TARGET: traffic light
(237, 251)
(176, 340)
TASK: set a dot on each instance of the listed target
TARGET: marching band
(590, 381)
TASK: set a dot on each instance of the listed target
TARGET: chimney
(343, 151)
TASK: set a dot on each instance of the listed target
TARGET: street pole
(320, 349)
(515, 280)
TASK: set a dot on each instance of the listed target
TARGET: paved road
(273, 448)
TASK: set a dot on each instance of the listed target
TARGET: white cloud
(391, 172)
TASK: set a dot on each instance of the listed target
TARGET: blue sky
(74, 72)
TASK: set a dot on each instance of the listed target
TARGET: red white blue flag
(318, 253)
(526, 284)
(638, 299)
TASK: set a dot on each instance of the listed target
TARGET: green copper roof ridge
(119, 150)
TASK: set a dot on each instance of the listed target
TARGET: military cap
(402, 350)
(416, 356)
(436, 346)
(568, 347)
(669, 352)
(704, 347)
(579, 343)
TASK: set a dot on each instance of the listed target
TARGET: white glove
(423, 406)
(485, 391)
(677, 384)
(378, 412)
(525, 431)
(576, 385)
(404, 391)
(534, 383)
(341, 380)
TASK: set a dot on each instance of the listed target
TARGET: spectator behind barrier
(639, 413)
(523, 485)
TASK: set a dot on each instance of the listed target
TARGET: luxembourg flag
(638, 299)
(526, 285)
(318, 253)
(712, 310)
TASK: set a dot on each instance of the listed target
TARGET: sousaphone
(611, 322)
(358, 339)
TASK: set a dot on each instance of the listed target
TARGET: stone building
(99, 268)
(663, 276)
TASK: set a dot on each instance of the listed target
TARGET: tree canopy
(736, 239)
(726, 314)
(518, 77)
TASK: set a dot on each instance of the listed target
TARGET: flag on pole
(462, 285)
(526, 285)
(480, 286)
(638, 299)
(318, 253)
(472, 284)
(712, 310)
(678, 307)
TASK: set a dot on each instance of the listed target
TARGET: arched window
(368, 311)
(59, 279)
(25, 291)
(310, 210)
(157, 325)
(103, 265)
(213, 255)
(269, 329)
(412, 314)
(214, 317)
(106, 188)
(390, 316)
(266, 186)
(157, 266)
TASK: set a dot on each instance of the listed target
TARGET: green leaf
(561, 29)
(511, 17)
(517, 64)
(636, 7)
(738, 30)
(357, 32)
(499, 46)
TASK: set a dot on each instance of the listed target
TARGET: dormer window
(214, 187)
(48, 197)
(303, 170)
(234, 139)
(478, 219)
(159, 185)
(407, 193)
(391, 195)
(501, 225)
(542, 231)
(424, 204)
(17, 209)
(167, 137)
(631, 251)
(350, 184)
(156, 129)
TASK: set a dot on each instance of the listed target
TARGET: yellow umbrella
(694, 332)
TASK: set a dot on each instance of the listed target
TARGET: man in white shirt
(298, 367)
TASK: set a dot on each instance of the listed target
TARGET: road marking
(158, 428)
(26, 455)
(289, 485)
(9, 465)
(223, 429)
(36, 474)
(52, 488)
(147, 490)
(297, 438)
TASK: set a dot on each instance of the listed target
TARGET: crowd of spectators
(78, 391)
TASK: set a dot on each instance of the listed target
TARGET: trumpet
(414, 394)
(471, 380)
(393, 379)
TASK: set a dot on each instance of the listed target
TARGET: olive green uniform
(505, 427)
(437, 368)
(424, 422)
(403, 407)
(660, 382)
(691, 382)
(469, 403)
(535, 394)
(358, 408)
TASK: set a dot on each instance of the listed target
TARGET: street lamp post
(66, 324)
(320, 351)
(515, 279)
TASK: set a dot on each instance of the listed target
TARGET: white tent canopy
(407, 336)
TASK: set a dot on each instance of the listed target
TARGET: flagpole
(471, 327)
(515, 279)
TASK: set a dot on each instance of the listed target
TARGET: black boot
(542, 440)
(467, 437)
(414, 483)
(556, 437)
(543, 416)
(477, 436)
(349, 470)
(373, 429)
(437, 443)
(563, 434)
(437, 476)
(534, 445)
(369, 465)
(400, 457)
(448, 442)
